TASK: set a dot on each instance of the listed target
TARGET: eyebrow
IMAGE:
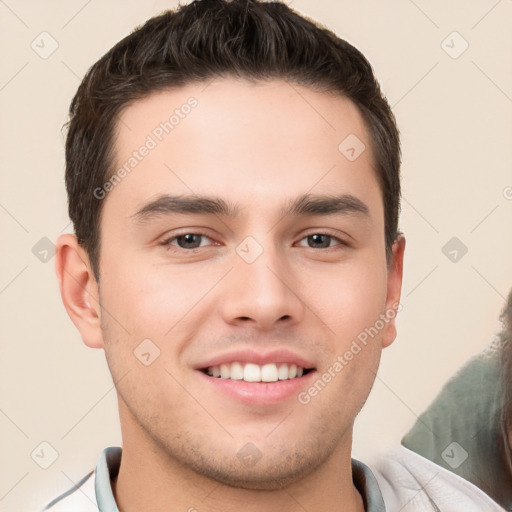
(306, 204)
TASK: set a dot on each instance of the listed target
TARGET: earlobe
(394, 290)
(79, 289)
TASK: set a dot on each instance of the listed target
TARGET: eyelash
(167, 242)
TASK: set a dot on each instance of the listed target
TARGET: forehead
(259, 140)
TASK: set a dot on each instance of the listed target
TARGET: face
(277, 274)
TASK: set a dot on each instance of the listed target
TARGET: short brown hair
(197, 42)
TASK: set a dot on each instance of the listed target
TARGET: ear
(395, 274)
(79, 289)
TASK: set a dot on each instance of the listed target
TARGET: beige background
(455, 116)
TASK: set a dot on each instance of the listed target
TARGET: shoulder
(79, 498)
(410, 482)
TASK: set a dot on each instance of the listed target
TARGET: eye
(186, 240)
(193, 241)
(322, 241)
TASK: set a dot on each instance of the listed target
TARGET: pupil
(317, 239)
(188, 240)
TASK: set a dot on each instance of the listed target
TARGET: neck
(151, 480)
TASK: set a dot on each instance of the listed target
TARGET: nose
(262, 294)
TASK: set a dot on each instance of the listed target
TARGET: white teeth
(269, 373)
(251, 372)
(224, 371)
(237, 371)
(282, 372)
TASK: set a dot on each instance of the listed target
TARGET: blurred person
(460, 446)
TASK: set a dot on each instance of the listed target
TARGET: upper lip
(258, 357)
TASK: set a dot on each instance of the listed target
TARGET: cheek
(148, 301)
(348, 299)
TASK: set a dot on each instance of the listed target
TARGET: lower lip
(260, 393)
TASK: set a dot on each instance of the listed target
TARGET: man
(459, 451)
(233, 180)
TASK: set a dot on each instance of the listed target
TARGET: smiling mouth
(251, 372)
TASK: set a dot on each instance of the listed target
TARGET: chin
(267, 477)
(272, 468)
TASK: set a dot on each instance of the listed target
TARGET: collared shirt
(411, 483)
(94, 492)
